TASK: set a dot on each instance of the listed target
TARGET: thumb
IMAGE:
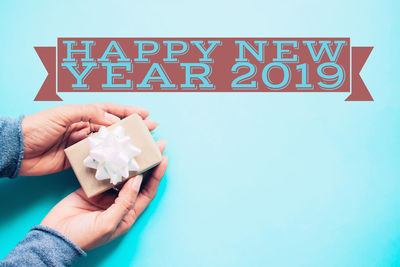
(122, 204)
(70, 114)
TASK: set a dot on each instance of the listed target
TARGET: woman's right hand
(90, 223)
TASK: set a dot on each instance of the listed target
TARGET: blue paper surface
(254, 179)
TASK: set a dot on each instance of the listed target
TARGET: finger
(125, 201)
(122, 111)
(125, 224)
(131, 216)
(150, 124)
(149, 190)
(81, 134)
(161, 145)
(78, 126)
(80, 131)
(104, 200)
(69, 114)
(77, 136)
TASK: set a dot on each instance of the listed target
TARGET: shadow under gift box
(137, 130)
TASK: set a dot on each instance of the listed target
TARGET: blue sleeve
(43, 246)
(11, 146)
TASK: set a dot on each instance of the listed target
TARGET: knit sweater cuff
(43, 246)
(12, 146)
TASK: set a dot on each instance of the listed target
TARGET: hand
(48, 133)
(90, 223)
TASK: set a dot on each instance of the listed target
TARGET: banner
(203, 65)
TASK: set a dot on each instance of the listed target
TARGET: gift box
(106, 156)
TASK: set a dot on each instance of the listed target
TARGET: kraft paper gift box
(141, 138)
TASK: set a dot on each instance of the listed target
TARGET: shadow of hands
(21, 194)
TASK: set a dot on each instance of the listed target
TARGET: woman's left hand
(47, 133)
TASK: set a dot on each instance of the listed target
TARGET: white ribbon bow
(112, 154)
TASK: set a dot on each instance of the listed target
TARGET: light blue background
(258, 179)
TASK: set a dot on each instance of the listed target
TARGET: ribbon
(112, 154)
(153, 74)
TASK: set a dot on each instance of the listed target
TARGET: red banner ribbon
(48, 91)
(203, 65)
(359, 91)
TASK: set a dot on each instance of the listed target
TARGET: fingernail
(144, 113)
(137, 182)
(111, 118)
(153, 121)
